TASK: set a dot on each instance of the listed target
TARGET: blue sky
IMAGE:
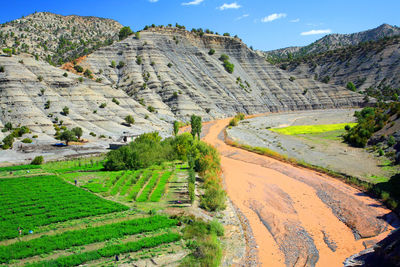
(263, 24)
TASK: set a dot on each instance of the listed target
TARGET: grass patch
(311, 129)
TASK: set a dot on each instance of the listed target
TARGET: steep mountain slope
(334, 41)
(172, 70)
(26, 86)
(371, 64)
(57, 38)
(165, 75)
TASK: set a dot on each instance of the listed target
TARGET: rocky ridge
(56, 38)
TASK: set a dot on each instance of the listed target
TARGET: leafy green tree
(224, 57)
(195, 122)
(229, 67)
(176, 128)
(125, 32)
(67, 136)
(78, 132)
(38, 160)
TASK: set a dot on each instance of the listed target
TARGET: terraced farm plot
(31, 202)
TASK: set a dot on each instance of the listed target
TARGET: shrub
(129, 119)
(151, 109)
(227, 34)
(65, 74)
(347, 127)
(88, 74)
(78, 68)
(103, 105)
(326, 79)
(391, 141)
(8, 141)
(137, 35)
(115, 101)
(229, 67)
(169, 65)
(1, 68)
(121, 64)
(92, 134)
(80, 79)
(40, 78)
(65, 110)
(139, 60)
(47, 104)
(211, 52)
(38, 160)
(224, 57)
(351, 86)
(125, 32)
(26, 141)
(99, 80)
(292, 78)
(113, 64)
(8, 126)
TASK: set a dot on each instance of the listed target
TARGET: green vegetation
(68, 239)
(38, 160)
(103, 105)
(224, 57)
(125, 32)
(114, 100)
(78, 68)
(159, 191)
(49, 199)
(211, 52)
(235, 121)
(65, 110)
(144, 196)
(311, 129)
(129, 120)
(139, 60)
(370, 120)
(109, 251)
(18, 168)
(113, 64)
(195, 124)
(176, 127)
(351, 86)
(8, 141)
(26, 140)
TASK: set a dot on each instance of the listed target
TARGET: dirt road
(298, 217)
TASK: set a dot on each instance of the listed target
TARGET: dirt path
(298, 217)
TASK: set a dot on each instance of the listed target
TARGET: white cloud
(295, 20)
(229, 6)
(314, 32)
(273, 17)
(153, 1)
(192, 3)
(242, 17)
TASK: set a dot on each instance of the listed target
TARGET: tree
(129, 119)
(65, 110)
(195, 122)
(67, 136)
(125, 32)
(176, 128)
(224, 57)
(78, 68)
(77, 132)
(137, 35)
(351, 86)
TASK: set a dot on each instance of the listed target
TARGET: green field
(107, 213)
(311, 129)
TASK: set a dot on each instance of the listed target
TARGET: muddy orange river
(298, 217)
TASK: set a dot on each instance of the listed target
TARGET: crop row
(144, 196)
(42, 200)
(65, 240)
(109, 251)
(19, 168)
(160, 189)
(133, 177)
(139, 184)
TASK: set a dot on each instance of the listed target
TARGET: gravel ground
(331, 154)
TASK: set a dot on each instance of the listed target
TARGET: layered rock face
(172, 71)
(373, 64)
(26, 86)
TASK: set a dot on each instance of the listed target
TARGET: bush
(113, 64)
(129, 119)
(65, 74)
(139, 60)
(169, 65)
(38, 160)
(391, 141)
(292, 78)
(229, 67)
(8, 142)
(80, 79)
(151, 109)
(103, 105)
(224, 57)
(121, 64)
(26, 141)
(211, 52)
(326, 79)
(47, 104)
(78, 68)
(351, 86)
(88, 74)
(8, 126)
(115, 101)
(1, 68)
(77, 132)
(40, 78)
(65, 110)
(125, 32)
